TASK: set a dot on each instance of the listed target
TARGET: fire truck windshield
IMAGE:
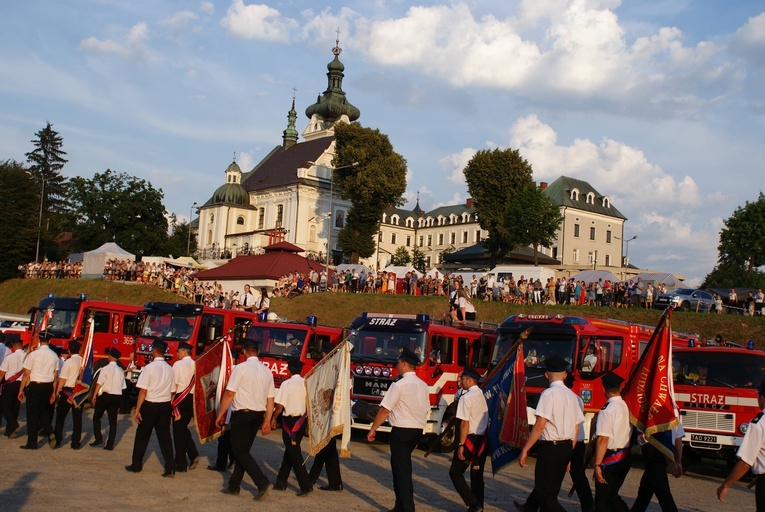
(536, 349)
(385, 347)
(282, 342)
(168, 326)
(718, 368)
(62, 323)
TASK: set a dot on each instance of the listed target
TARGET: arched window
(590, 198)
(240, 221)
(575, 194)
(312, 234)
(212, 218)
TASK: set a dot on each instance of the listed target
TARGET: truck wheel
(685, 306)
(449, 440)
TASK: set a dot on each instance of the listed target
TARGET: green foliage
(46, 161)
(179, 243)
(400, 257)
(376, 183)
(532, 219)
(118, 208)
(742, 240)
(418, 259)
(494, 178)
(18, 231)
(731, 276)
(445, 252)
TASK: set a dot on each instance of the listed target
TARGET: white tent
(401, 271)
(93, 261)
(670, 280)
(592, 276)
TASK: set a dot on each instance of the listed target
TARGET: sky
(656, 103)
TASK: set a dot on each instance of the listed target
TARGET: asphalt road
(92, 478)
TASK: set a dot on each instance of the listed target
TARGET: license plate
(703, 438)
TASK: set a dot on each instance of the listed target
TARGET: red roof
(283, 246)
(271, 265)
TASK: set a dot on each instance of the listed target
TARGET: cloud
(207, 8)
(258, 21)
(180, 20)
(454, 164)
(134, 46)
(749, 40)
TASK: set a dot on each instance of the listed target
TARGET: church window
(212, 217)
(279, 215)
(312, 234)
(240, 221)
(261, 218)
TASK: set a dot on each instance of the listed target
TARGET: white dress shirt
(13, 364)
(408, 401)
(253, 384)
(560, 407)
(183, 372)
(614, 423)
(292, 395)
(112, 379)
(752, 450)
(71, 370)
(43, 364)
(157, 379)
(472, 408)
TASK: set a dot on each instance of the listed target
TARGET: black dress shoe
(263, 491)
(304, 493)
(75, 446)
(180, 470)
(27, 447)
(226, 490)
(108, 448)
(280, 487)
(332, 487)
(169, 473)
(96, 443)
(519, 506)
(215, 468)
(132, 469)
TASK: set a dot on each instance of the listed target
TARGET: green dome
(333, 103)
(336, 65)
(234, 167)
(232, 194)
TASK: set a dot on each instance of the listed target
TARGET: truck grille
(707, 420)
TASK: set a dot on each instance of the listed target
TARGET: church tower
(332, 106)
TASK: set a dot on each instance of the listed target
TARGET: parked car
(686, 299)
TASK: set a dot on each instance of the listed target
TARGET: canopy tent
(358, 267)
(184, 261)
(592, 276)
(93, 262)
(670, 280)
(401, 271)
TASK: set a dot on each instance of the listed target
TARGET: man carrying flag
(612, 448)
(471, 451)
(70, 370)
(106, 398)
(10, 381)
(186, 454)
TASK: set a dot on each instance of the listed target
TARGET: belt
(555, 443)
(38, 382)
(611, 452)
(294, 417)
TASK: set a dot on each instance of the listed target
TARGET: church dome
(234, 167)
(232, 194)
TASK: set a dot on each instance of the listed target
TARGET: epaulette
(756, 418)
(604, 407)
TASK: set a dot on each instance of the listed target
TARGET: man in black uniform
(39, 379)
(70, 371)
(328, 455)
(107, 396)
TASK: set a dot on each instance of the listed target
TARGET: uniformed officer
(471, 451)
(186, 453)
(291, 404)
(11, 371)
(70, 371)
(328, 455)
(41, 368)
(612, 448)
(654, 479)
(751, 455)
(405, 405)
(153, 410)
(250, 393)
(107, 396)
(555, 432)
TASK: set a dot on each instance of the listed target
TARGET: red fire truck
(444, 351)
(716, 391)
(593, 347)
(114, 324)
(280, 341)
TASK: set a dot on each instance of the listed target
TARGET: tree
(179, 241)
(494, 178)
(18, 231)
(376, 183)
(46, 162)
(742, 247)
(418, 259)
(400, 257)
(118, 208)
(532, 219)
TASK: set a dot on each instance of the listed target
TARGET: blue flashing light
(691, 343)
(750, 344)
(423, 318)
(313, 321)
(50, 295)
(262, 316)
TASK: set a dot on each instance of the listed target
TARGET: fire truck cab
(279, 341)
(592, 347)
(716, 392)
(444, 352)
(114, 325)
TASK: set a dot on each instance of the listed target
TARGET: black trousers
(10, 405)
(293, 456)
(654, 481)
(402, 442)
(472, 494)
(225, 453)
(552, 460)
(62, 410)
(607, 497)
(38, 411)
(578, 477)
(327, 457)
(109, 404)
(759, 493)
(185, 449)
(155, 416)
(244, 428)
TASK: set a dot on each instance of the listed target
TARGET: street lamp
(188, 243)
(627, 252)
(39, 221)
(331, 194)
